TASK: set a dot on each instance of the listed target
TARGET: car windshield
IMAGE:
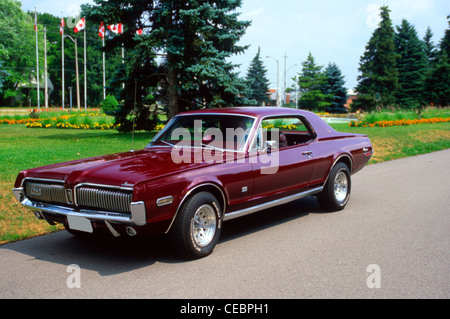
(226, 132)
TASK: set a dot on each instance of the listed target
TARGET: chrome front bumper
(138, 216)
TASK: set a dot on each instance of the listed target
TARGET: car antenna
(134, 116)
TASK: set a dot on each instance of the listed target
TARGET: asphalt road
(391, 241)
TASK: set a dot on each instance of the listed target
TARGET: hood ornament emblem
(126, 184)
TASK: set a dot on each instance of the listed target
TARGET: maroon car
(203, 168)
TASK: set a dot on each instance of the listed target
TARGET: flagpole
(85, 74)
(104, 69)
(123, 62)
(37, 56)
(62, 58)
(45, 69)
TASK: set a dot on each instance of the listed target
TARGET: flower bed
(399, 122)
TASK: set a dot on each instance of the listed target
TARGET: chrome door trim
(280, 201)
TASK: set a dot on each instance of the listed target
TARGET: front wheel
(336, 191)
(197, 227)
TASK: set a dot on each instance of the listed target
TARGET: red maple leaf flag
(35, 21)
(116, 28)
(101, 31)
(139, 31)
(80, 25)
(61, 26)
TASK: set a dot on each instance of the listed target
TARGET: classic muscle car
(203, 168)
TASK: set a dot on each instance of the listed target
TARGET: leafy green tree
(196, 38)
(311, 81)
(17, 50)
(335, 89)
(258, 84)
(378, 80)
(3, 76)
(411, 65)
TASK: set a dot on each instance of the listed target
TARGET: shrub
(109, 105)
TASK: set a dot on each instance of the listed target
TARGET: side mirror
(270, 145)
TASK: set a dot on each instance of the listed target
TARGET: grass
(23, 148)
(402, 141)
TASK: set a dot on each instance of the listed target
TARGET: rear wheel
(197, 227)
(336, 191)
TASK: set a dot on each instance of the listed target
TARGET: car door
(286, 167)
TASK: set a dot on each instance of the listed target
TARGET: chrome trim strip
(189, 193)
(137, 217)
(75, 199)
(281, 201)
(335, 162)
(41, 179)
(339, 157)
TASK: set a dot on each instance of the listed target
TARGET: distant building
(272, 94)
(351, 97)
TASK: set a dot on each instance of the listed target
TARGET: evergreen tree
(196, 38)
(411, 65)
(334, 88)
(257, 82)
(437, 82)
(311, 81)
(430, 48)
(378, 81)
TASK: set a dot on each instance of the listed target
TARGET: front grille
(104, 199)
(53, 193)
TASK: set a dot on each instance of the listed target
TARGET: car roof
(255, 111)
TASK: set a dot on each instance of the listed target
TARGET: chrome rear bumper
(138, 216)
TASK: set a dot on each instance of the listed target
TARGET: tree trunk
(174, 108)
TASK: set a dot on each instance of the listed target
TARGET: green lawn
(22, 148)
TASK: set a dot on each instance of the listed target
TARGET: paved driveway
(391, 241)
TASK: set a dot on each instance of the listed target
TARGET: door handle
(307, 153)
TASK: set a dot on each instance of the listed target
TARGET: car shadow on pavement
(110, 256)
(271, 217)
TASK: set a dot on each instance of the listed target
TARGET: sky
(334, 31)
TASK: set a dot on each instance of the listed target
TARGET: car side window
(289, 131)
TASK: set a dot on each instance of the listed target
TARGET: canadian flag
(101, 31)
(61, 26)
(80, 25)
(116, 28)
(35, 21)
(139, 31)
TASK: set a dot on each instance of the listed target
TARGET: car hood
(121, 169)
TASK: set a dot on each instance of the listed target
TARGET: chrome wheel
(204, 225)
(340, 186)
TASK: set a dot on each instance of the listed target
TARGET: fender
(191, 191)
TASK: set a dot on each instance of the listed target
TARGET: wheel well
(213, 189)
(346, 160)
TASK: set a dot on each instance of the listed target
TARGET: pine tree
(196, 38)
(311, 81)
(411, 65)
(430, 48)
(334, 88)
(257, 82)
(437, 82)
(378, 81)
